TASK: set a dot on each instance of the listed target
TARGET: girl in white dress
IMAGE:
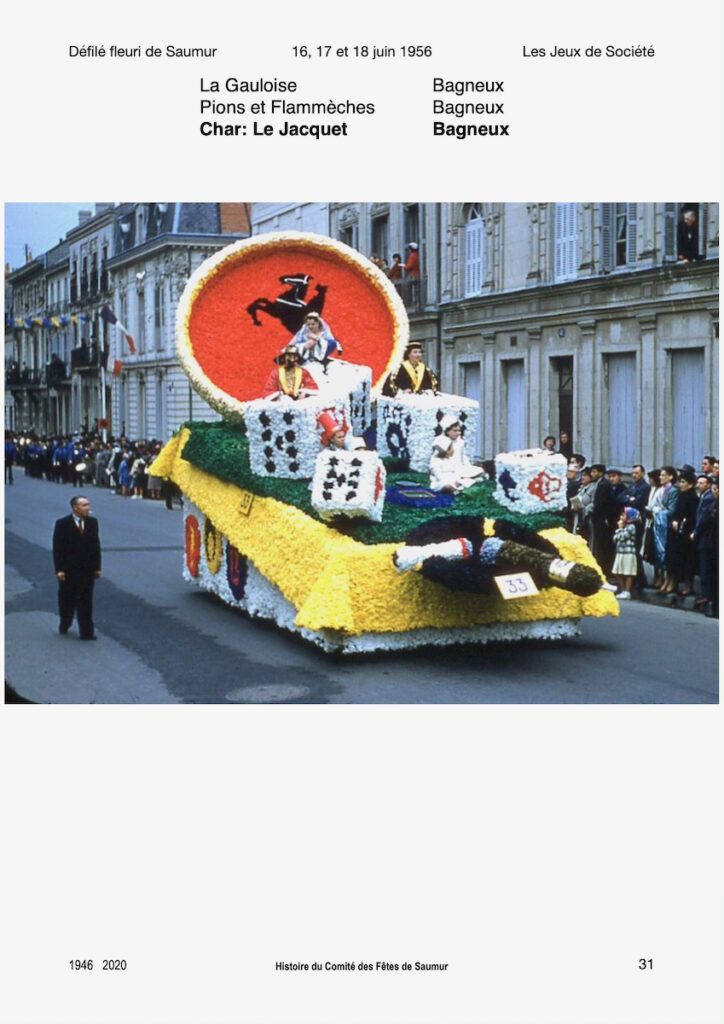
(450, 468)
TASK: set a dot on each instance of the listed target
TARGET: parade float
(296, 510)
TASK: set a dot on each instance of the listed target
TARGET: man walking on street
(77, 558)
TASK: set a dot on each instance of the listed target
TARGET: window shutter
(473, 256)
(606, 234)
(566, 242)
(670, 231)
(631, 213)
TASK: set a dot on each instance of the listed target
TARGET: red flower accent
(544, 486)
(193, 545)
(379, 485)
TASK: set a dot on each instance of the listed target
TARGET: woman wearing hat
(450, 468)
(412, 376)
(681, 560)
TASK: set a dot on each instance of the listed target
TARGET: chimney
(235, 218)
(102, 207)
(83, 216)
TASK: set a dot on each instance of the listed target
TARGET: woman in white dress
(450, 468)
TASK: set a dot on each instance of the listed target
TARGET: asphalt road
(163, 641)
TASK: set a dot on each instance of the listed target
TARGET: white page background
(540, 851)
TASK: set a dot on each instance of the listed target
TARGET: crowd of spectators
(658, 529)
(86, 460)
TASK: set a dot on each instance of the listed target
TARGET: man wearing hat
(334, 433)
(412, 263)
(289, 379)
(412, 376)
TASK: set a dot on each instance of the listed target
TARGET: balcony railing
(56, 373)
(413, 292)
(23, 378)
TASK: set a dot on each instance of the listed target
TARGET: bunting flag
(109, 317)
(117, 367)
(56, 321)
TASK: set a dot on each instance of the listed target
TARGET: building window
(381, 237)
(565, 241)
(349, 234)
(159, 315)
(141, 332)
(412, 226)
(618, 235)
(474, 251)
(561, 412)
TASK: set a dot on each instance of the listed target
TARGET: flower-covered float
(295, 513)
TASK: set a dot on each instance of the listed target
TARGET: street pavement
(163, 641)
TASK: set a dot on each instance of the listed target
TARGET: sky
(39, 225)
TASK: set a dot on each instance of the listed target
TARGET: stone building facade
(563, 316)
(61, 354)
(157, 248)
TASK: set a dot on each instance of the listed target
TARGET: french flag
(109, 317)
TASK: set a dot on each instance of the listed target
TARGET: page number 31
(646, 965)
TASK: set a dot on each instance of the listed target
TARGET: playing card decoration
(349, 484)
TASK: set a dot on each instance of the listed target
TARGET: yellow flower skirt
(346, 595)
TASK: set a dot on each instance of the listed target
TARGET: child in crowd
(624, 565)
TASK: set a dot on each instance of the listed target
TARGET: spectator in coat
(603, 519)
(395, 271)
(681, 552)
(412, 263)
(702, 536)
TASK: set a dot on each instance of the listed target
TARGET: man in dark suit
(603, 519)
(77, 558)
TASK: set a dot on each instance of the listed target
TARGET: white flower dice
(284, 439)
(407, 425)
(531, 480)
(349, 483)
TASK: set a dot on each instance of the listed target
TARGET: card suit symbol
(268, 451)
(292, 452)
(293, 467)
(350, 495)
(270, 467)
(327, 495)
(356, 462)
(264, 419)
(333, 461)
(266, 435)
(341, 479)
(288, 417)
(290, 435)
(279, 442)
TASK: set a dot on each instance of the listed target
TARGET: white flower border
(232, 408)
(265, 601)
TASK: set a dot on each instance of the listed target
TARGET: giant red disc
(246, 302)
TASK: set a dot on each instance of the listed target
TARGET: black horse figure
(291, 306)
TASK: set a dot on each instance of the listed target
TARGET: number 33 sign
(519, 584)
